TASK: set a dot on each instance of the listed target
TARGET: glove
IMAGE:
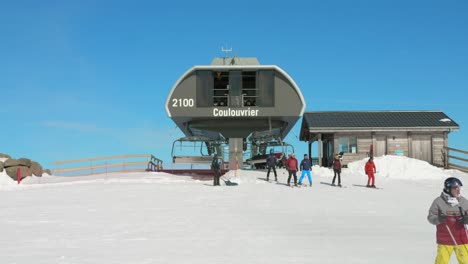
(442, 218)
(463, 220)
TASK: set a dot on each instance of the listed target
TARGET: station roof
(358, 120)
(235, 61)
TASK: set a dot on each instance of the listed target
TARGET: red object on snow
(18, 175)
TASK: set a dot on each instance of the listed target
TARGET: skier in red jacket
(449, 213)
(370, 170)
(291, 166)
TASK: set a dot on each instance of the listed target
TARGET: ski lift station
(233, 108)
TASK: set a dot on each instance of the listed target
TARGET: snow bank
(400, 167)
(247, 176)
(321, 171)
(7, 183)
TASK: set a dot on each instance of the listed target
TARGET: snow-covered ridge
(388, 167)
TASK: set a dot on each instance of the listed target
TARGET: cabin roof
(377, 119)
(235, 61)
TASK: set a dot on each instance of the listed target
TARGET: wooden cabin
(360, 134)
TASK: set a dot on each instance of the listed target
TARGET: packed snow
(162, 218)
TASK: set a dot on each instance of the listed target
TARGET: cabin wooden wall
(363, 143)
(397, 144)
(425, 145)
(438, 142)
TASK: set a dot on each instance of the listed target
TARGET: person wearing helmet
(337, 170)
(305, 168)
(448, 213)
(215, 166)
(291, 165)
(370, 169)
(271, 164)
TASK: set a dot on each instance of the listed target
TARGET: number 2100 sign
(183, 102)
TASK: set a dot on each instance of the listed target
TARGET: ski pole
(456, 245)
(463, 217)
(464, 225)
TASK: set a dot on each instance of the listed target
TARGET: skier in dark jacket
(448, 213)
(271, 163)
(215, 166)
(337, 170)
(305, 168)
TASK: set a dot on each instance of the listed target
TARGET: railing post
(446, 158)
(18, 174)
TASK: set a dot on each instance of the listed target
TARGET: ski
(365, 186)
(264, 179)
(329, 184)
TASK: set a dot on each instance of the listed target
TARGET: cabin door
(380, 147)
(421, 148)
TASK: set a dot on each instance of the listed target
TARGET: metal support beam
(320, 146)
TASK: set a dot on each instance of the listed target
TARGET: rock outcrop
(5, 156)
(25, 166)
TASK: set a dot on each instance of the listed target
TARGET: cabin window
(347, 144)
(235, 89)
(204, 88)
(220, 88)
(266, 88)
(249, 88)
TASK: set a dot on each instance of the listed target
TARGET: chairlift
(280, 149)
(195, 150)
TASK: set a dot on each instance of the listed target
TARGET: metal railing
(154, 164)
(448, 156)
(99, 165)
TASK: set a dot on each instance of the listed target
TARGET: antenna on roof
(226, 51)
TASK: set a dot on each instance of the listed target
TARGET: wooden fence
(121, 163)
(449, 156)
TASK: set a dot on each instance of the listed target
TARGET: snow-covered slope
(162, 218)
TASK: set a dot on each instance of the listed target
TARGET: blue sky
(90, 78)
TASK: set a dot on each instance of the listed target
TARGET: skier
(305, 168)
(215, 166)
(337, 170)
(271, 163)
(448, 213)
(291, 165)
(370, 170)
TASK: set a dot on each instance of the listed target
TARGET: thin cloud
(82, 127)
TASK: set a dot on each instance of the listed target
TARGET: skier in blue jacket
(305, 167)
